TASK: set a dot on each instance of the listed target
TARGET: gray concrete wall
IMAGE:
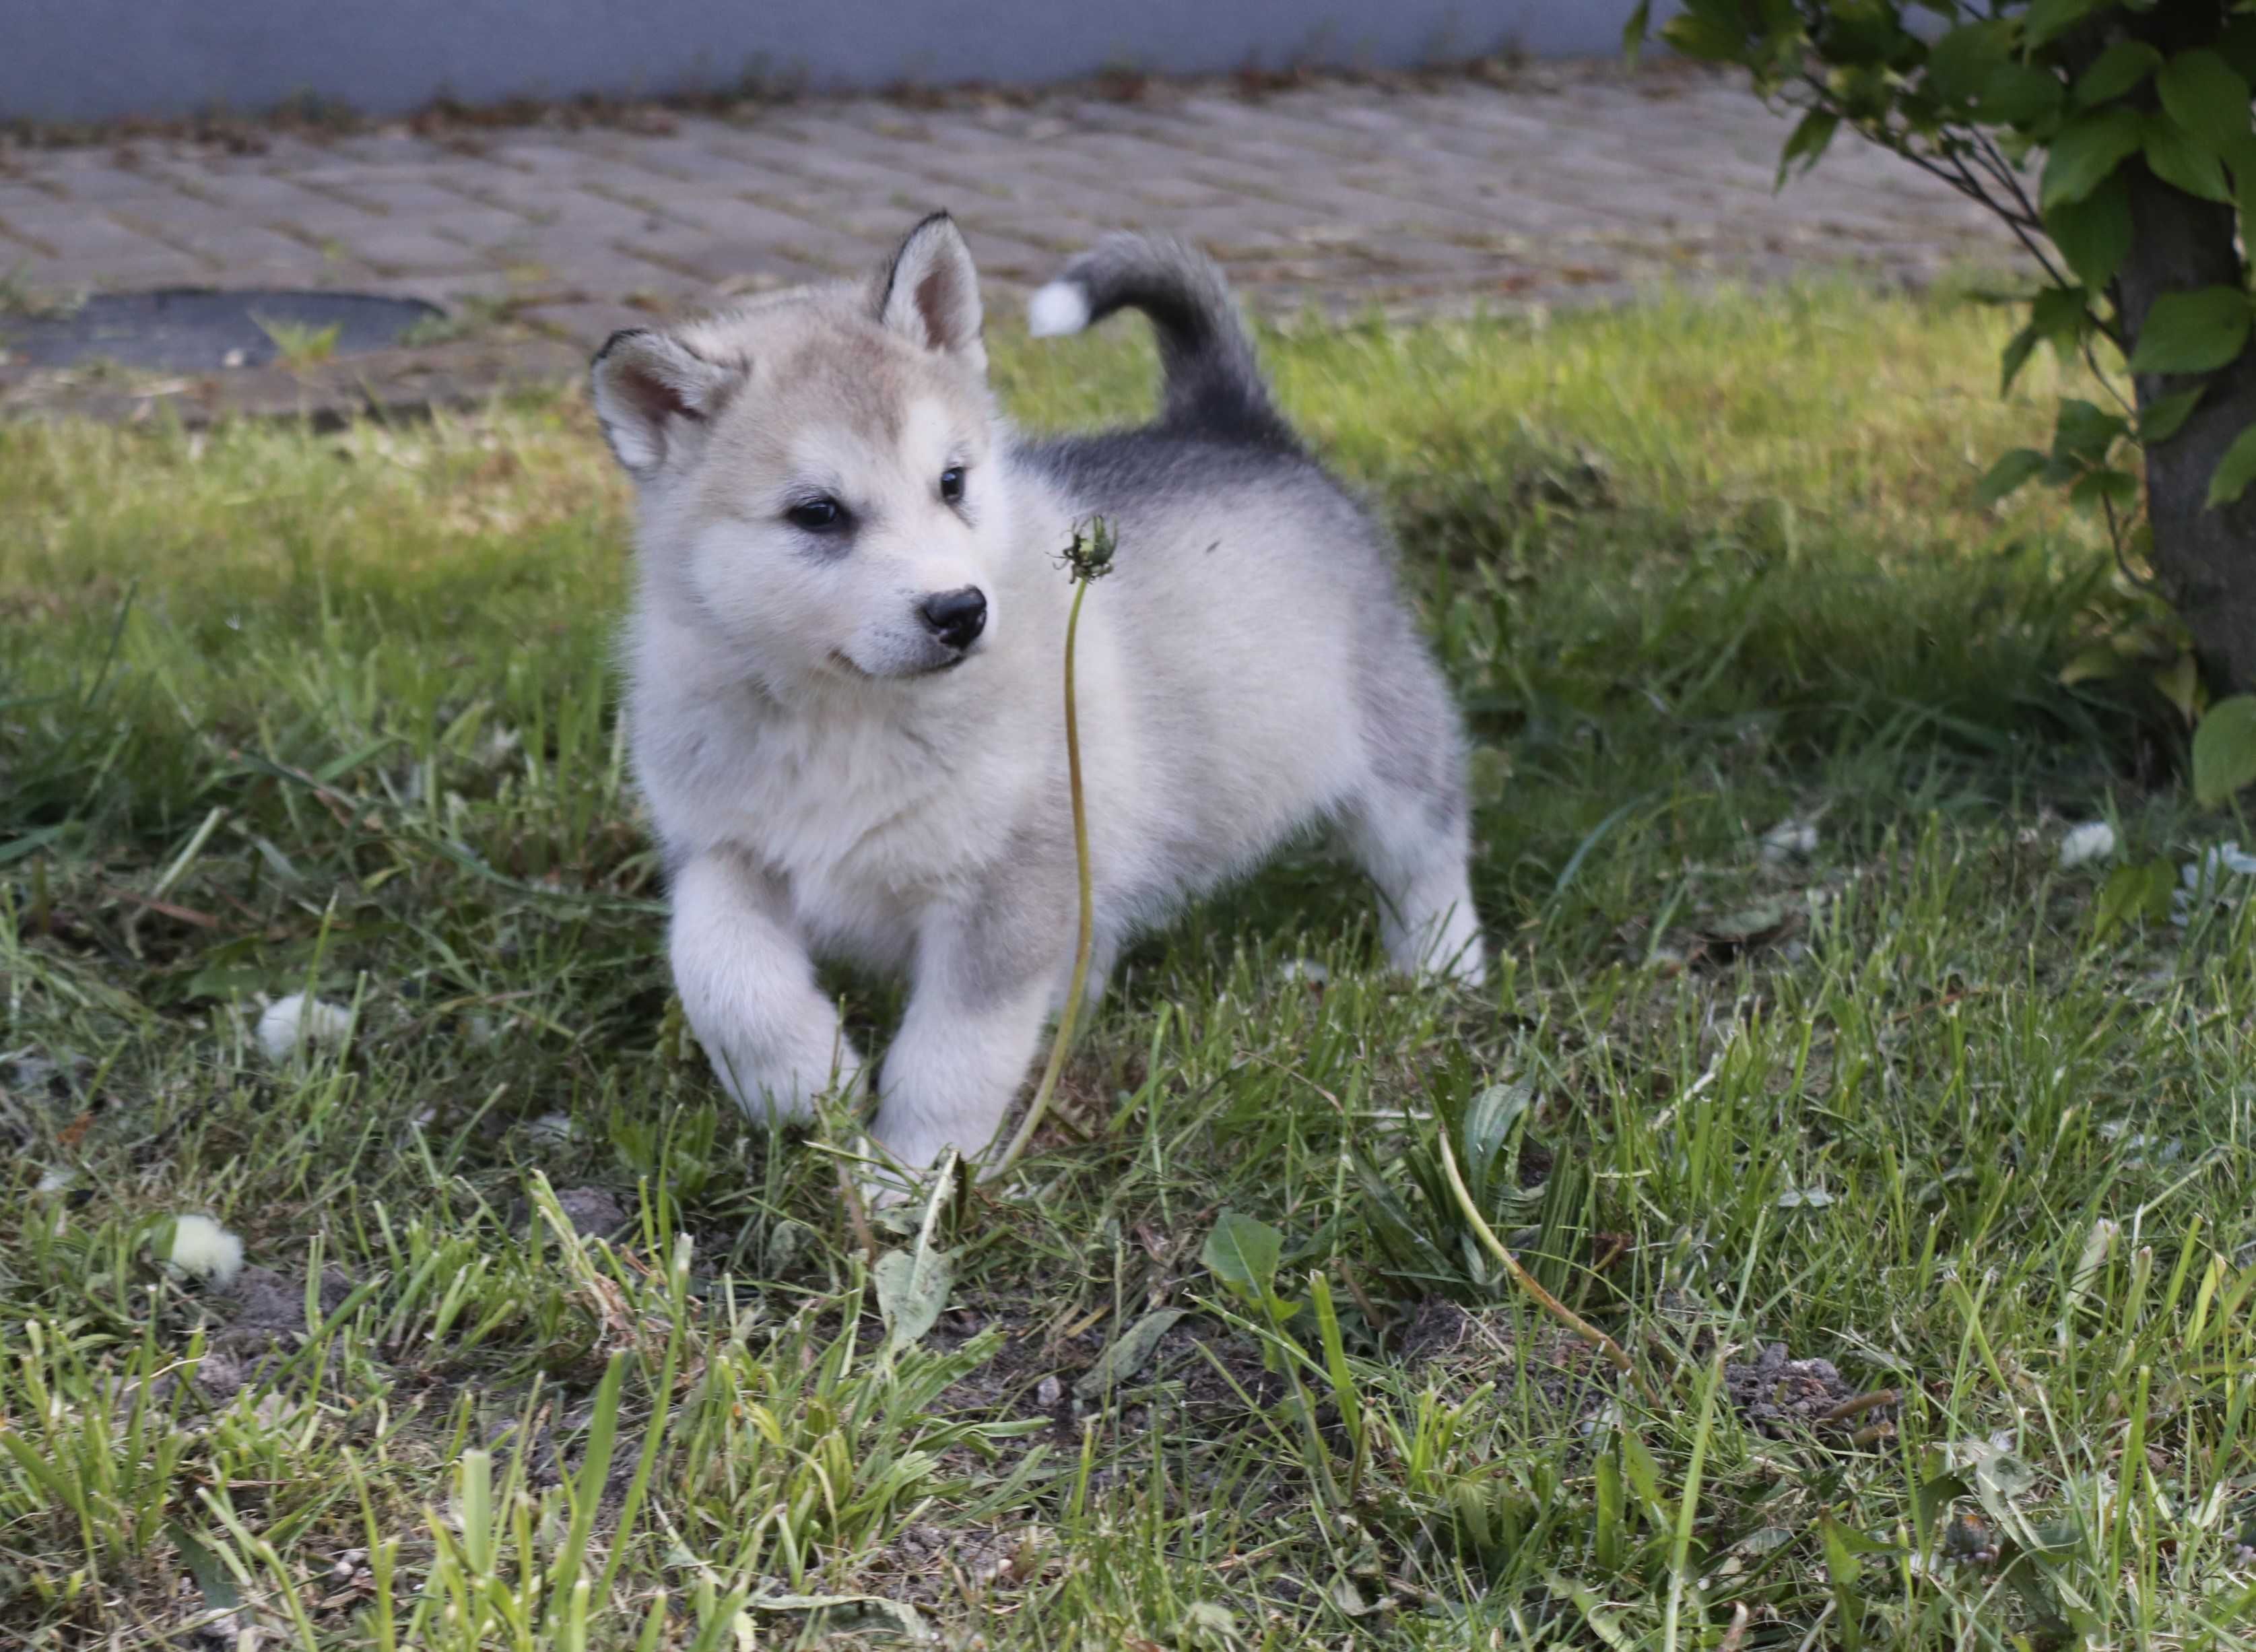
(92, 59)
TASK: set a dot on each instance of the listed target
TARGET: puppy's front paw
(884, 1183)
(1465, 967)
(774, 1091)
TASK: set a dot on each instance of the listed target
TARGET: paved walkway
(1564, 184)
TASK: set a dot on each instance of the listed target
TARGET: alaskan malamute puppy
(845, 662)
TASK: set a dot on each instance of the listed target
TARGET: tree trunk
(2206, 559)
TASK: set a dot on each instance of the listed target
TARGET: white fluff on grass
(2211, 881)
(301, 1020)
(2094, 840)
(1790, 838)
(202, 1247)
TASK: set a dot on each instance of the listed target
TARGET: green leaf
(1643, 1472)
(1242, 1253)
(912, 1289)
(36, 1468)
(2225, 750)
(1807, 142)
(2196, 332)
(2240, 161)
(214, 1581)
(2062, 316)
(2094, 234)
(2008, 475)
(2016, 356)
(1486, 1128)
(2095, 662)
(2088, 148)
(1841, 1568)
(2206, 97)
(1639, 25)
(2134, 892)
(2180, 683)
(1936, 1494)
(908, 1623)
(2118, 69)
(38, 839)
(2103, 487)
(2048, 19)
(1959, 65)
(2177, 157)
(2161, 418)
(2083, 432)
(1608, 1529)
(2234, 471)
(912, 1285)
(2237, 45)
(1711, 38)
(2019, 94)
(1129, 1352)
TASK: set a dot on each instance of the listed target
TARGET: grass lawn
(1919, 1197)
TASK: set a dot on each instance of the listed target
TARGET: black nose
(956, 618)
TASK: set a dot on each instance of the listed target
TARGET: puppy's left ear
(653, 393)
(931, 293)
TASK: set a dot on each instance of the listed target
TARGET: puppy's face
(817, 472)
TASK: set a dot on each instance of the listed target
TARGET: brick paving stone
(585, 326)
(1572, 184)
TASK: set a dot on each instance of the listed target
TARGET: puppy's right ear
(650, 390)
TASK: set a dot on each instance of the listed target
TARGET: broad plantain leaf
(1488, 1123)
(912, 1289)
(1243, 1252)
(912, 1285)
(2134, 892)
(1841, 1568)
(2224, 749)
(1129, 1352)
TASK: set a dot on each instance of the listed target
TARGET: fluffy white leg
(1426, 899)
(748, 988)
(953, 1072)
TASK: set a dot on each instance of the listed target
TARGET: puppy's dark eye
(817, 516)
(951, 483)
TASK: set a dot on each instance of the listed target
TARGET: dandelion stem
(1071, 1012)
(1615, 1353)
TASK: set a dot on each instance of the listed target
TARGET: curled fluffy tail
(1210, 382)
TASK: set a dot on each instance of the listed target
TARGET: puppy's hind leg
(748, 988)
(1406, 822)
(1408, 828)
(1416, 855)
